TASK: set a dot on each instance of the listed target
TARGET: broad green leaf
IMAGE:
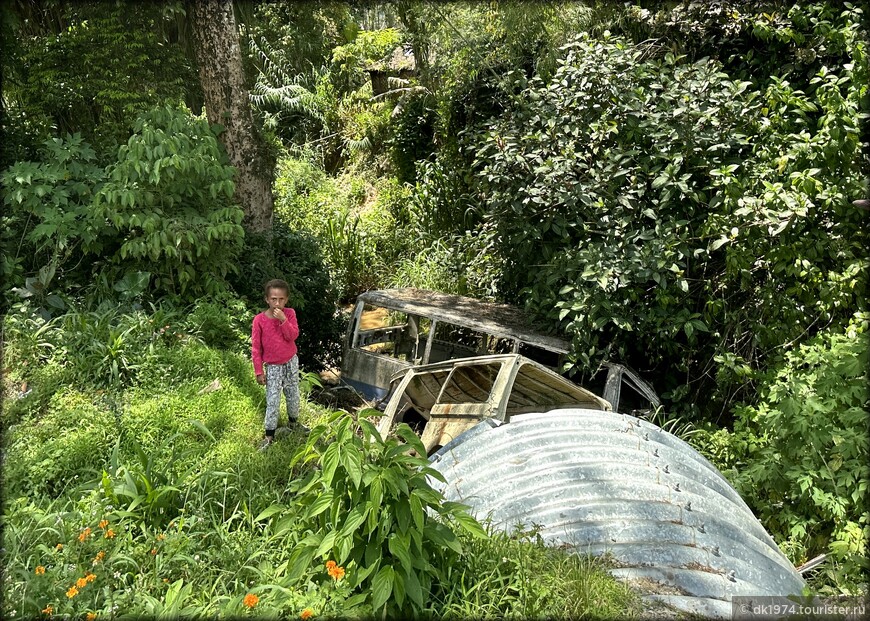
(402, 510)
(329, 462)
(269, 512)
(398, 546)
(355, 518)
(408, 435)
(382, 587)
(416, 511)
(320, 504)
(352, 463)
(414, 590)
(326, 544)
(300, 561)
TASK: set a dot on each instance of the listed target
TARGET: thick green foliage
(92, 68)
(614, 220)
(754, 40)
(162, 211)
(807, 475)
(358, 237)
(325, 105)
(369, 508)
(48, 220)
(169, 197)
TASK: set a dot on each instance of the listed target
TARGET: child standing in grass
(273, 351)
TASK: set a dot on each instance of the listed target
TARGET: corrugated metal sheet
(601, 483)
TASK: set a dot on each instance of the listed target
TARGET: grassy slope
(198, 454)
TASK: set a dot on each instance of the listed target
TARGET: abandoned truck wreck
(521, 445)
(391, 330)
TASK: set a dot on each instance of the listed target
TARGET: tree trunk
(219, 56)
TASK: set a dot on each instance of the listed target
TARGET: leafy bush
(222, 322)
(162, 211)
(808, 477)
(92, 68)
(170, 200)
(674, 224)
(368, 508)
(49, 223)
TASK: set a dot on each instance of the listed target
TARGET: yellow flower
(99, 557)
(91, 616)
(58, 547)
(40, 570)
(110, 534)
(90, 577)
(250, 600)
(85, 534)
(306, 614)
(161, 537)
(81, 583)
(72, 592)
(48, 610)
(104, 523)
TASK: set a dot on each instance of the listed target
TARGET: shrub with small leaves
(808, 478)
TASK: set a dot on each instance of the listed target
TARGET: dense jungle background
(680, 187)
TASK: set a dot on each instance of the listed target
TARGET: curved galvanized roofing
(602, 482)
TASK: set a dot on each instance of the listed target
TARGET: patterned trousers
(282, 378)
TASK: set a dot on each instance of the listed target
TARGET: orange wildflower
(330, 564)
(81, 583)
(48, 610)
(39, 570)
(306, 614)
(99, 557)
(59, 546)
(72, 592)
(250, 600)
(90, 577)
(337, 573)
(85, 534)
(161, 537)
(153, 551)
(91, 616)
(104, 523)
(110, 534)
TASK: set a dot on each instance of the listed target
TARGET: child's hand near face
(278, 314)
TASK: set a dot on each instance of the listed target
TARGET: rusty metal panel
(606, 483)
(497, 319)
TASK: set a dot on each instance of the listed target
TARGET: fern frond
(356, 146)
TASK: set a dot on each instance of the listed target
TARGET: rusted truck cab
(394, 329)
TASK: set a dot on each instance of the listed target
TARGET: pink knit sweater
(273, 342)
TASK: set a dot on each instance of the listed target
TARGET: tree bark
(227, 103)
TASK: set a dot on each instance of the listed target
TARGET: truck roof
(500, 320)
